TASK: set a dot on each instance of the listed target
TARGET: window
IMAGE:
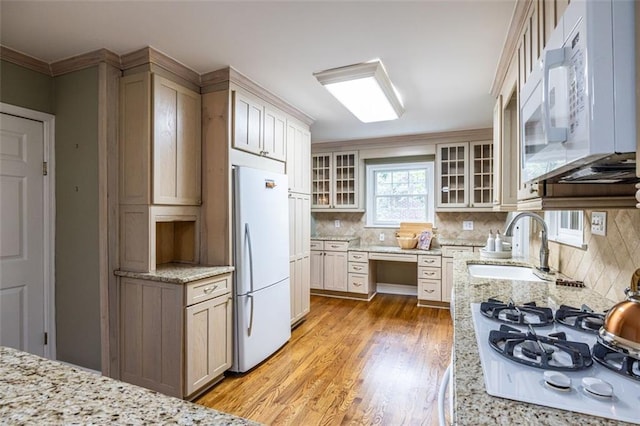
(566, 227)
(399, 192)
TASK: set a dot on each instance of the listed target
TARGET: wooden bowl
(407, 243)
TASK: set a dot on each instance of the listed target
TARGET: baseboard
(407, 290)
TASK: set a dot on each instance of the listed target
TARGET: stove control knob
(557, 380)
(597, 387)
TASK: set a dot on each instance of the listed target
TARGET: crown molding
(149, 55)
(220, 79)
(24, 61)
(85, 60)
(518, 21)
(407, 140)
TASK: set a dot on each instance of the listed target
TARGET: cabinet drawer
(358, 283)
(336, 245)
(358, 268)
(358, 256)
(316, 245)
(429, 290)
(449, 251)
(208, 288)
(432, 261)
(429, 273)
(392, 257)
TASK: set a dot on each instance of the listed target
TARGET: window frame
(371, 169)
(566, 236)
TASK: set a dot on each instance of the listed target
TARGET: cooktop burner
(552, 352)
(525, 314)
(617, 360)
(584, 318)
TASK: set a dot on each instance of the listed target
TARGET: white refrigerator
(262, 310)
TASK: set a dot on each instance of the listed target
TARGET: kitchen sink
(503, 272)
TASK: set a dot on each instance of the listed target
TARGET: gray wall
(77, 262)
(73, 99)
(25, 88)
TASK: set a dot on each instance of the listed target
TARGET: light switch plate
(599, 223)
(336, 223)
(467, 225)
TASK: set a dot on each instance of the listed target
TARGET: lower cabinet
(329, 265)
(447, 268)
(429, 278)
(175, 338)
(299, 272)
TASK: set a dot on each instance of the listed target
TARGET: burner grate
(552, 352)
(584, 319)
(509, 313)
(617, 360)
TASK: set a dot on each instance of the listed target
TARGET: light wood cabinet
(175, 338)
(447, 268)
(334, 181)
(160, 142)
(258, 128)
(464, 176)
(316, 260)
(298, 157)
(299, 252)
(429, 279)
(361, 274)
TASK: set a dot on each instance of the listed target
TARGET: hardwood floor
(350, 362)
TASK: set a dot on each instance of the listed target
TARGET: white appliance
(262, 310)
(508, 379)
(578, 107)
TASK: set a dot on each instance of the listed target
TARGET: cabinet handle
(357, 268)
(209, 290)
(334, 246)
(357, 257)
(429, 291)
(429, 261)
(357, 284)
(429, 273)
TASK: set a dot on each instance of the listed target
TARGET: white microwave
(578, 106)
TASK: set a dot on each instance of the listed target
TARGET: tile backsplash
(448, 225)
(608, 262)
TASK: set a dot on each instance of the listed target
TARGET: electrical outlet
(599, 223)
(336, 223)
(381, 237)
(467, 225)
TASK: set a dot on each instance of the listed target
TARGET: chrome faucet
(544, 248)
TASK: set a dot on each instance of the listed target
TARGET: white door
(21, 234)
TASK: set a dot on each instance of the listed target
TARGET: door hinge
(44, 168)
(46, 338)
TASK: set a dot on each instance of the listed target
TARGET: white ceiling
(441, 55)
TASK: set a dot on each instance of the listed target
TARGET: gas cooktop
(550, 364)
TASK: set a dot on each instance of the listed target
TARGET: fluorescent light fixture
(365, 89)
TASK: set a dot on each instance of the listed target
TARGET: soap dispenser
(491, 242)
(498, 241)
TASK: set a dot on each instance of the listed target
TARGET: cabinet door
(481, 174)
(300, 298)
(295, 297)
(335, 271)
(321, 165)
(298, 157)
(345, 180)
(447, 278)
(208, 342)
(274, 137)
(451, 175)
(317, 270)
(247, 123)
(176, 144)
(304, 280)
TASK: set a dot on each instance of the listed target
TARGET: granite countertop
(35, 390)
(177, 273)
(472, 404)
(347, 238)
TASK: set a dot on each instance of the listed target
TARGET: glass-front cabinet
(334, 180)
(464, 176)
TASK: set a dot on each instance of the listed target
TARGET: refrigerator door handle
(248, 238)
(250, 316)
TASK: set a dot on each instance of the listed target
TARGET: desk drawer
(429, 290)
(358, 283)
(392, 257)
(449, 251)
(208, 288)
(336, 245)
(358, 268)
(429, 273)
(358, 256)
(431, 261)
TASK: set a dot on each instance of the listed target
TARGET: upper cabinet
(464, 176)
(298, 157)
(258, 128)
(335, 180)
(160, 142)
